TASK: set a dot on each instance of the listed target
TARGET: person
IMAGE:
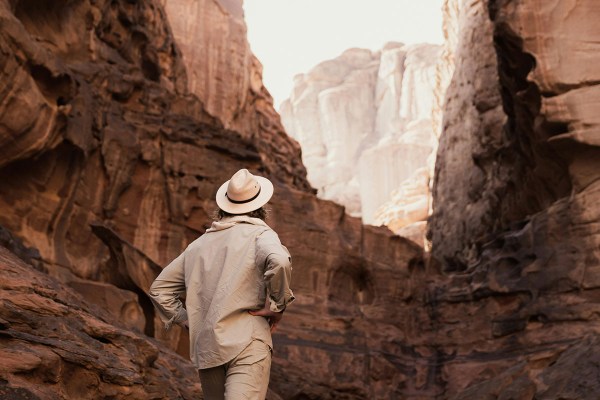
(236, 278)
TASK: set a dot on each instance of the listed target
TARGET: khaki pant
(246, 377)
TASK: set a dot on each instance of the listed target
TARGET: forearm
(165, 292)
(277, 263)
(278, 276)
(168, 306)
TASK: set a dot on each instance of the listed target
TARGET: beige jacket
(224, 273)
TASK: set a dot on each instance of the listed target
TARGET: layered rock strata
(53, 344)
(109, 162)
(222, 71)
(529, 141)
(109, 169)
(109, 172)
(364, 122)
(515, 217)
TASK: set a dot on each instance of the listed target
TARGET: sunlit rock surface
(224, 74)
(110, 163)
(364, 122)
(408, 208)
(109, 166)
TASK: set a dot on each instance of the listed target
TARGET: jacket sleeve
(277, 263)
(165, 291)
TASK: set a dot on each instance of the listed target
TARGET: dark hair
(261, 213)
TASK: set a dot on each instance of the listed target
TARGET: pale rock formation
(333, 114)
(364, 123)
(393, 213)
(407, 210)
(398, 206)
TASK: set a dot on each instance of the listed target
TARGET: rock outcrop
(109, 165)
(54, 344)
(528, 139)
(406, 212)
(364, 122)
(514, 218)
(110, 162)
(223, 73)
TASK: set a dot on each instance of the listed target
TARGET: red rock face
(528, 139)
(224, 74)
(514, 219)
(100, 127)
(53, 344)
(109, 167)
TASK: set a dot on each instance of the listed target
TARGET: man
(236, 278)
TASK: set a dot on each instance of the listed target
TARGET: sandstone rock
(122, 304)
(331, 113)
(473, 118)
(533, 294)
(364, 123)
(344, 294)
(513, 195)
(391, 164)
(416, 232)
(15, 245)
(128, 179)
(56, 346)
(224, 74)
(408, 204)
(504, 188)
(444, 68)
(124, 175)
(108, 116)
(211, 36)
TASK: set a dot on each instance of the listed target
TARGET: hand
(272, 317)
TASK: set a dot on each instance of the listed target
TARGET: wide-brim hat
(244, 193)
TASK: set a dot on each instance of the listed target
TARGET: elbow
(153, 292)
(282, 261)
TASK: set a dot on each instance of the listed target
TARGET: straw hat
(244, 193)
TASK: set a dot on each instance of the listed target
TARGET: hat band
(243, 201)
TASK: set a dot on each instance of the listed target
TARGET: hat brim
(266, 192)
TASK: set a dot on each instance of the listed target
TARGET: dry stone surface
(110, 158)
(364, 120)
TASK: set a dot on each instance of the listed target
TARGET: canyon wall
(515, 221)
(224, 74)
(522, 115)
(110, 161)
(364, 122)
(55, 345)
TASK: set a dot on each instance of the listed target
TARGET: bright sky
(292, 36)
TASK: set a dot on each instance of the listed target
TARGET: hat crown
(242, 186)
(244, 193)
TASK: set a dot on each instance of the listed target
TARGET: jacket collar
(228, 222)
